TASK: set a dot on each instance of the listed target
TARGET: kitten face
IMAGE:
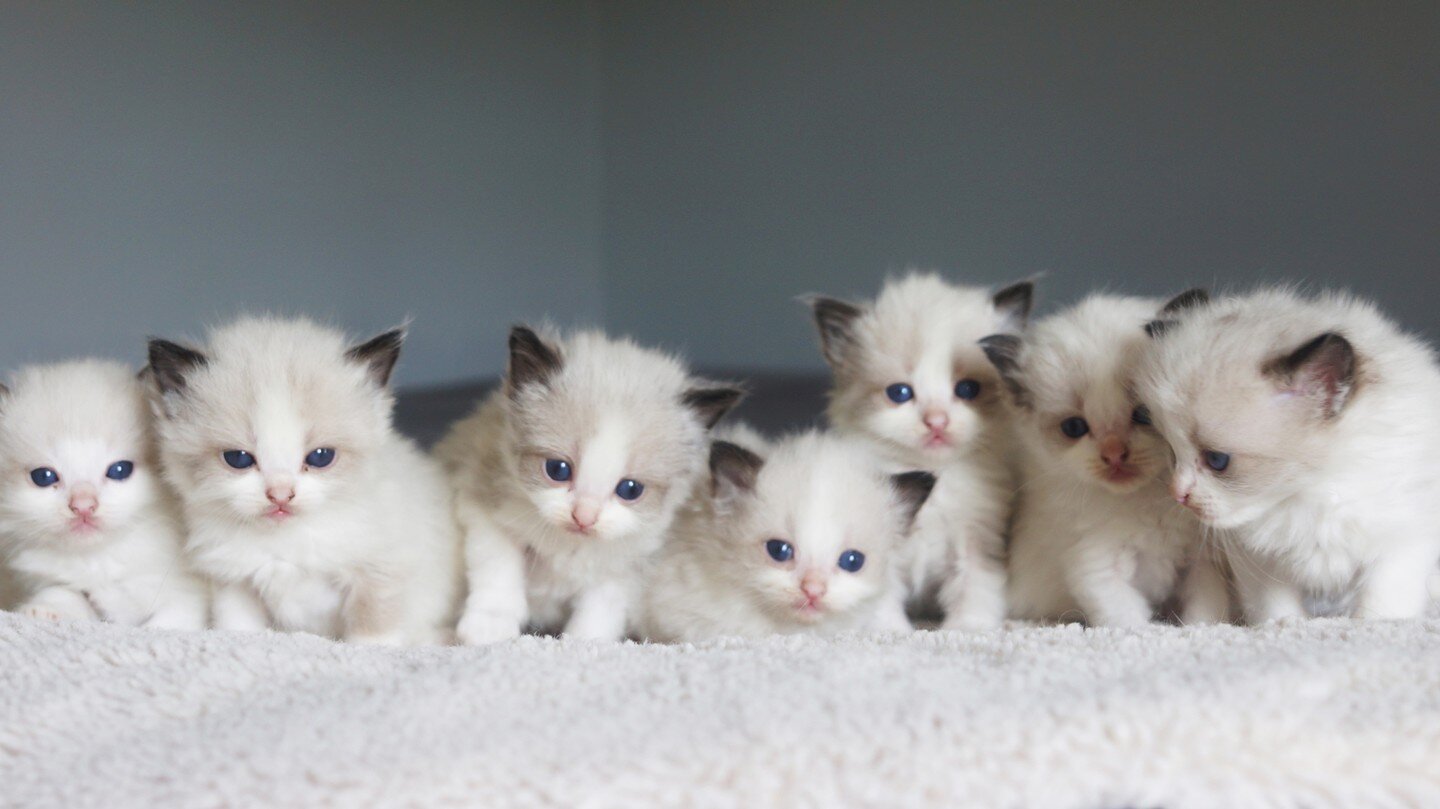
(275, 421)
(808, 530)
(909, 370)
(75, 458)
(608, 436)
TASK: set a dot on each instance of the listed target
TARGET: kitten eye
(120, 470)
(558, 470)
(1074, 427)
(779, 550)
(238, 458)
(1219, 461)
(967, 389)
(900, 393)
(1141, 415)
(44, 476)
(851, 561)
(629, 489)
(320, 458)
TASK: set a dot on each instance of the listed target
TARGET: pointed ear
(531, 358)
(1189, 299)
(1322, 371)
(379, 355)
(835, 320)
(170, 363)
(1157, 328)
(1003, 351)
(711, 404)
(1013, 304)
(912, 489)
(733, 470)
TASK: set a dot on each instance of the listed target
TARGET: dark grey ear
(170, 363)
(711, 404)
(1188, 299)
(1003, 351)
(733, 470)
(1322, 370)
(836, 321)
(1013, 303)
(1157, 328)
(912, 489)
(379, 354)
(531, 358)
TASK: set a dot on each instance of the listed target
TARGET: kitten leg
(496, 608)
(1264, 594)
(1204, 593)
(374, 613)
(1396, 585)
(118, 605)
(974, 596)
(599, 613)
(59, 604)
(238, 607)
(890, 614)
(181, 605)
(1099, 576)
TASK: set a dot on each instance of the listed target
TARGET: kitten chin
(1095, 534)
(790, 537)
(568, 478)
(1302, 430)
(90, 531)
(304, 505)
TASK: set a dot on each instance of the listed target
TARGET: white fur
(1339, 506)
(370, 552)
(79, 418)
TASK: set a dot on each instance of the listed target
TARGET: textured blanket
(1321, 713)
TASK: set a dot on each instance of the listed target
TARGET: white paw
(478, 628)
(969, 623)
(378, 639)
(45, 614)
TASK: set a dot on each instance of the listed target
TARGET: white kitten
(89, 528)
(788, 538)
(304, 505)
(1307, 426)
(911, 378)
(568, 478)
(1096, 533)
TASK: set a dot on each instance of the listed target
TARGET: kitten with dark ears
(1304, 427)
(911, 379)
(567, 480)
(304, 505)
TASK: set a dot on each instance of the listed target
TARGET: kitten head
(909, 369)
(607, 437)
(1248, 391)
(1071, 378)
(808, 528)
(75, 453)
(274, 420)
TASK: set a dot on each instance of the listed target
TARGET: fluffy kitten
(1096, 534)
(1307, 427)
(88, 526)
(912, 379)
(304, 505)
(568, 478)
(794, 537)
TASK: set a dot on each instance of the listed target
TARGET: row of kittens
(1117, 461)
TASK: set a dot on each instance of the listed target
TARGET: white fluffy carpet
(1324, 713)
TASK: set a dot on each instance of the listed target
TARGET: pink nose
(813, 587)
(1114, 450)
(584, 519)
(937, 421)
(1183, 498)
(83, 506)
(280, 495)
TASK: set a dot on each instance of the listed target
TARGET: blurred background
(680, 171)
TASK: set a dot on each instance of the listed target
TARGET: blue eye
(629, 489)
(1219, 461)
(120, 470)
(44, 476)
(900, 393)
(238, 458)
(1141, 415)
(320, 458)
(558, 470)
(967, 389)
(1074, 427)
(851, 561)
(779, 550)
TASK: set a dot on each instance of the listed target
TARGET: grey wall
(163, 165)
(756, 150)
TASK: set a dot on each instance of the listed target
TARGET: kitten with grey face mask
(1304, 428)
(784, 538)
(912, 380)
(567, 480)
(1096, 534)
(89, 529)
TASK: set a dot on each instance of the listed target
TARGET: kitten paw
(481, 628)
(969, 623)
(45, 614)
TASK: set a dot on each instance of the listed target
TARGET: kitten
(568, 477)
(911, 378)
(89, 528)
(1305, 428)
(304, 505)
(790, 538)
(1096, 534)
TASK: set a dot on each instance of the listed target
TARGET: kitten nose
(813, 586)
(584, 516)
(936, 420)
(1114, 450)
(1181, 497)
(280, 495)
(83, 504)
